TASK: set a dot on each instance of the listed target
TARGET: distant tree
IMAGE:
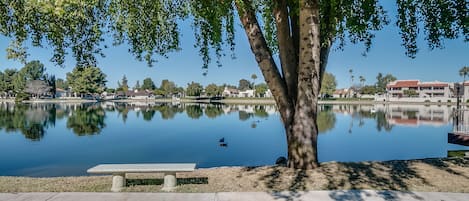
(179, 90)
(261, 89)
(168, 87)
(19, 82)
(464, 71)
(253, 77)
(371, 90)
(37, 87)
(362, 80)
(110, 90)
(244, 85)
(51, 82)
(329, 84)
(148, 84)
(33, 70)
(85, 80)
(2, 83)
(194, 89)
(8, 76)
(124, 84)
(61, 83)
(137, 85)
(383, 81)
(410, 93)
(213, 90)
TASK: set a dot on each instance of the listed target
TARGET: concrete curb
(362, 195)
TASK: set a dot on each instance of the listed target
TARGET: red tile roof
(404, 83)
(433, 85)
(417, 83)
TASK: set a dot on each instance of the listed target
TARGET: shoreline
(232, 101)
(435, 175)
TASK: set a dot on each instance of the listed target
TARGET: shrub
(21, 97)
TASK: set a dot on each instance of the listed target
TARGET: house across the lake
(139, 94)
(417, 91)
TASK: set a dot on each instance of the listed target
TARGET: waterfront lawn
(434, 175)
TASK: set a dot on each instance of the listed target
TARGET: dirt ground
(435, 175)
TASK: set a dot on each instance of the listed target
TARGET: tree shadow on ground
(180, 181)
(392, 179)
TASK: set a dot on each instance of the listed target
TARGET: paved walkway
(362, 195)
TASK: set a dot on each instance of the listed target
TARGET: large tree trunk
(296, 93)
(303, 139)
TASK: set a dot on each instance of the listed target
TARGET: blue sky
(385, 56)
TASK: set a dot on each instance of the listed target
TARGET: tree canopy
(84, 80)
(329, 84)
(148, 84)
(153, 28)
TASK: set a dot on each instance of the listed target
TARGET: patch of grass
(459, 154)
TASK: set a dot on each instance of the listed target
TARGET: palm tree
(253, 77)
(351, 81)
(362, 80)
(464, 71)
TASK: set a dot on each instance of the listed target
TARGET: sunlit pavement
(362, 195)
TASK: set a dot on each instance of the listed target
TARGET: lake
(66, 139)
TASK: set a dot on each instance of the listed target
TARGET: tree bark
(264, 58)
(287, 53)
(303, 139)
(298, 112)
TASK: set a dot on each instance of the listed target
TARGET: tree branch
(264, 58)
(295, 28)
(288, 56)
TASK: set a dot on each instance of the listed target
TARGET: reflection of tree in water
(148, 114)
(382, 122)
(259, 111)
(87, 120)
(168, 111)
(243, 115)
(213, 111)
(123, 111)
(194, 111)
(30, 120)
(326, 119)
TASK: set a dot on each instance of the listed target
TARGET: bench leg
(169, 181)
(118, 182)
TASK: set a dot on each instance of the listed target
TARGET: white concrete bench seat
(119, 170)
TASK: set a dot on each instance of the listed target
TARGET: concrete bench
(118, 172)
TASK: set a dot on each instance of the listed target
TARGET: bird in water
(222, 142)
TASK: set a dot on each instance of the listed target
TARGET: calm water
(67, 139)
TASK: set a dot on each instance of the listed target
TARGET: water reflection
(87, 120)
(90, 119)
(31, 121)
